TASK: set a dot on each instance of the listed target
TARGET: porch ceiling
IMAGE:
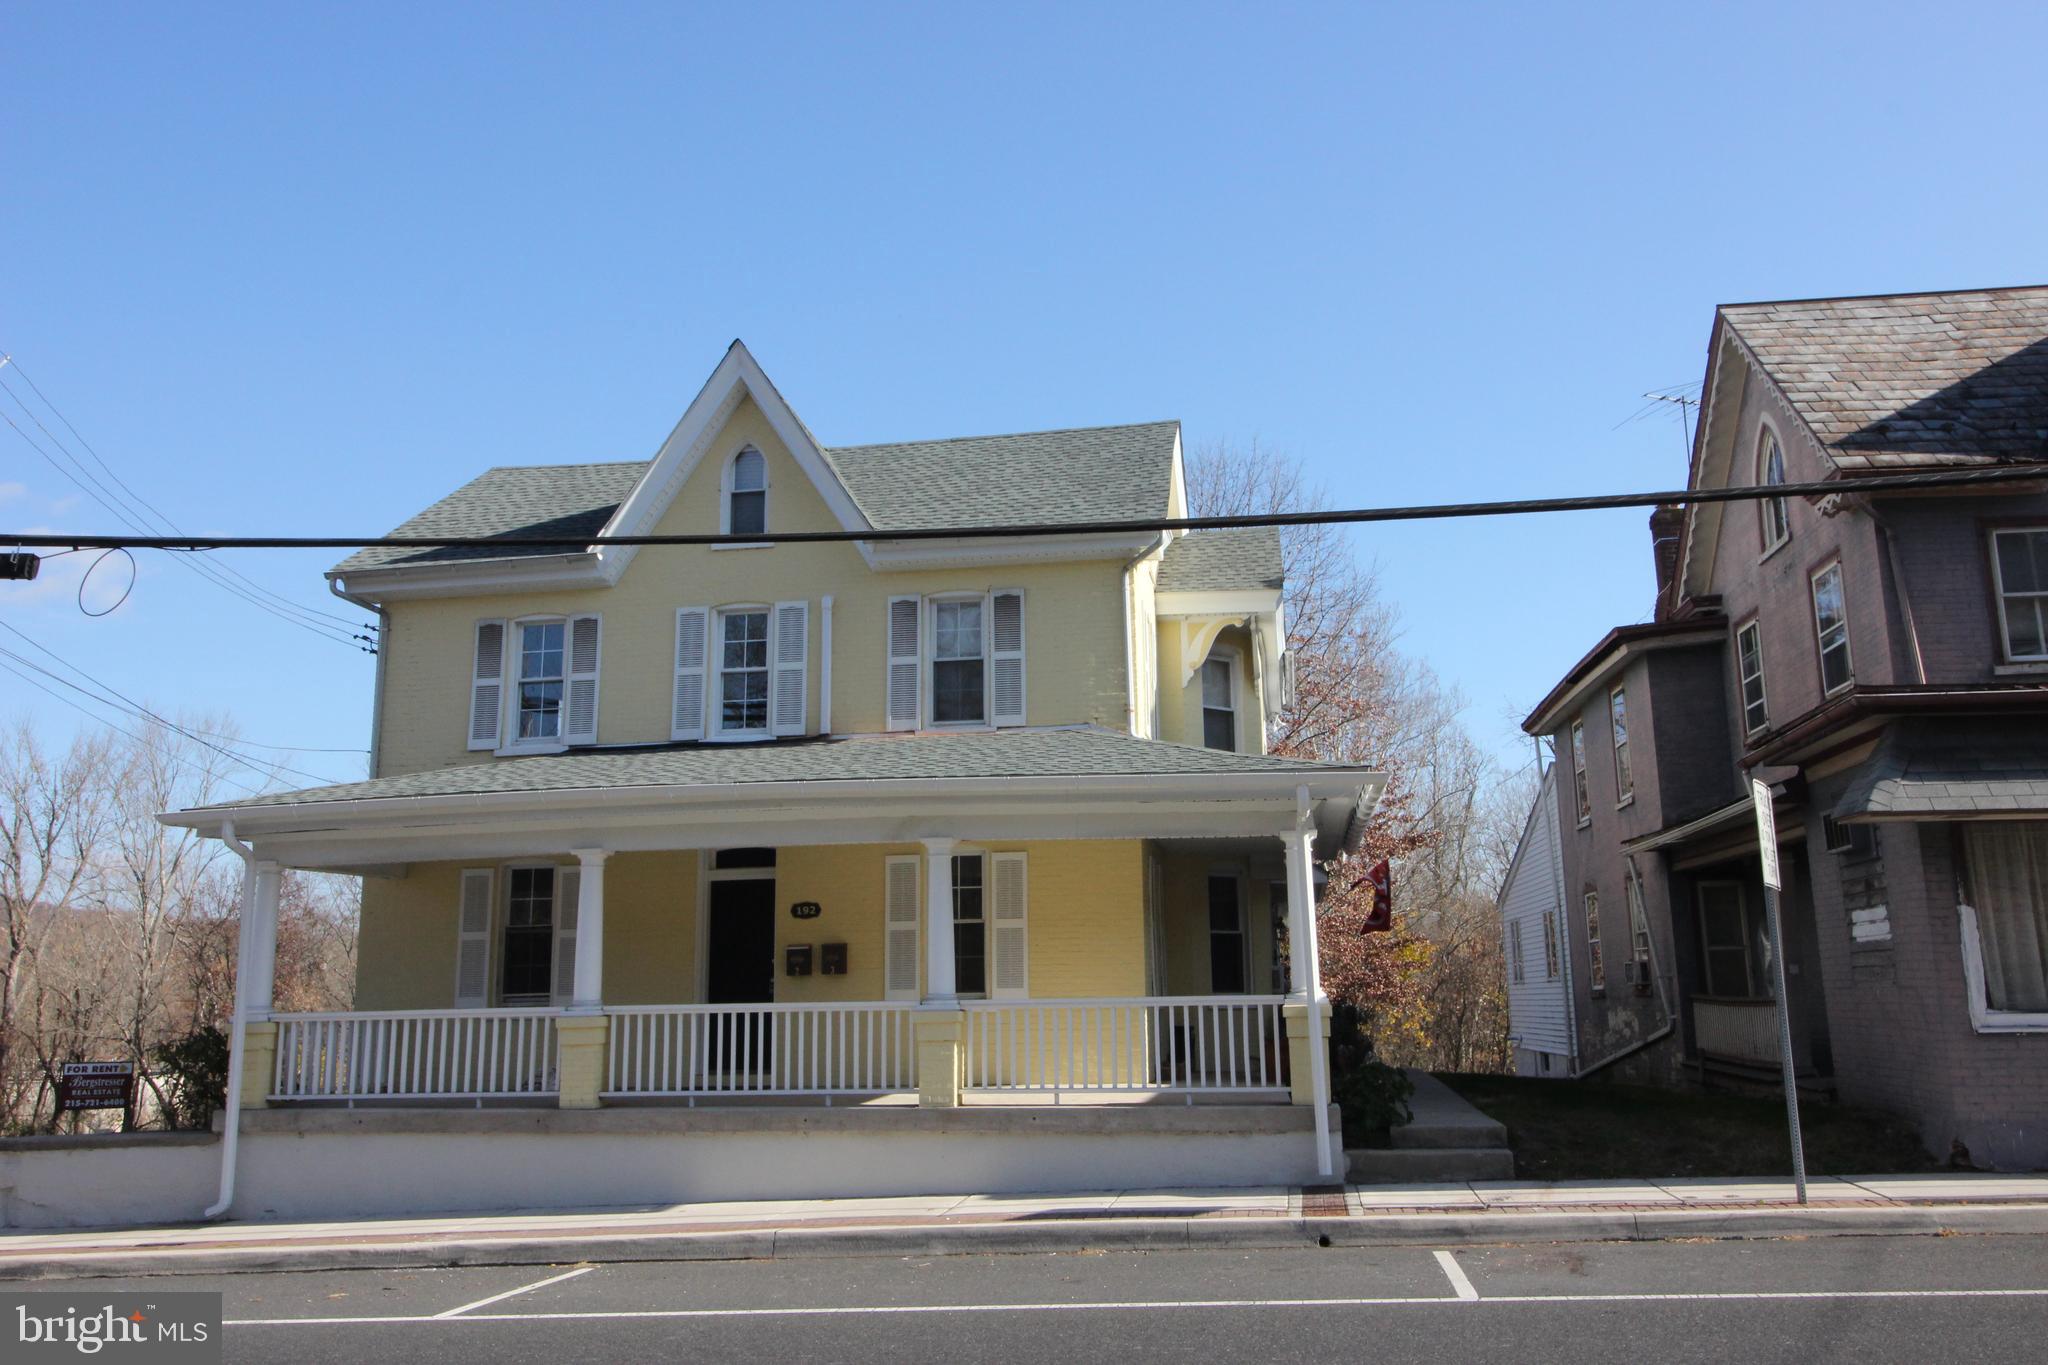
(1082, 783)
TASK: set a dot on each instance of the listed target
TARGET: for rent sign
(95, 1085)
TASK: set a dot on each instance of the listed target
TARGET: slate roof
(1222, 561)
(1078, 751)
(1911, 380)
(1121, 473)
(1928, 768)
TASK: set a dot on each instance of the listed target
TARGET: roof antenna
(1685, 407)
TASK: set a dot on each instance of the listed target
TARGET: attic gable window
(1770, 469)
(746, 494)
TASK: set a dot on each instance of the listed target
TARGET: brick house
(1879, 659)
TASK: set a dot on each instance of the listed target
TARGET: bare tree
(53, 817)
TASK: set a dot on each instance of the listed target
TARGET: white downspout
(232, 1132)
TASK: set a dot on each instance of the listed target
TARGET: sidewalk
(1446, 1214)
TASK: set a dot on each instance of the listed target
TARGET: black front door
(740, 966)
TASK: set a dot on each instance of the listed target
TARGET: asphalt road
(1977, 1299)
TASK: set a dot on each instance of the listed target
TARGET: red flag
(1380, 919)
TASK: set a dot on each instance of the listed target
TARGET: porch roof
(869, 786)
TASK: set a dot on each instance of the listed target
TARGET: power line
(1945, 478)
(306, 618)
(102, 720)
(226, 568)
(137, 707)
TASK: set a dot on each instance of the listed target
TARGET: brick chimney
(1666, 523)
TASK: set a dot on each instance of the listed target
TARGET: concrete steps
(1446, 1139)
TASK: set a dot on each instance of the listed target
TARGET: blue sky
(304, 271)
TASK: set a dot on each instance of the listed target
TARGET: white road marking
(513, 1293)
(1457, 1278)
(923, 1309)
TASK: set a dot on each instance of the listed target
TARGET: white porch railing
(415, 1054)
(1194, 1044)
(824, 1049)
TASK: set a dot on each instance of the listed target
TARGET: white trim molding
(1983, 1018)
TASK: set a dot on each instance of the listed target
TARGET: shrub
(194, 1070)
(1372, 1095)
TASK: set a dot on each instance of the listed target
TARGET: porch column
(939, 987)
(940, 1026)
(583, 1026)
(1307, 1009)
(587, 989)
(258, 987)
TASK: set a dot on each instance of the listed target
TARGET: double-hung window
(1579, 771)
(529, 937)
(970, 926)
(2006, 929)
(1624, 776)
(1733, 955)
(1551, 965)
(1749, 672)
(540, 679)
(743, 672)
(1517, 970)
(2019, 564)
(1770, 469)
(1831, 629)
(1226, 936)
(959, 663)
(1596, 974)
(1219, 704)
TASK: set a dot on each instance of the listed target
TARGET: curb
(1109, 1234)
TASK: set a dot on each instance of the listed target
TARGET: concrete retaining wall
(320, 1164)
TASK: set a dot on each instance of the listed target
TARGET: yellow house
(924, 778)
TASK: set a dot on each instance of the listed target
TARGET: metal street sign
(1766, 832)
(1767, 851)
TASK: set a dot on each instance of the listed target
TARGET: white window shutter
(1006, 657)
(1009, 928)
(487, 685)
(900, 924)
(580, 725)
(790, 642)
(568, 890)
(693, 631)
(473, 940)
(904, 616)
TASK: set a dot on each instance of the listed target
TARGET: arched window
(1770, 469)
(746, 494)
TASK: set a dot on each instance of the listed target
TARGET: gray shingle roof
(570, 499)
(1080, 751)
(1911, 380)
(1221, 561)
(1082, 474)
(1937, 768)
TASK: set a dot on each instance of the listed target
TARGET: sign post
(1767, 847)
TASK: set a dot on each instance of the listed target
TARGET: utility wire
(137, 707)
(303, 617)
(119, 730)
(138, 500)
(1945, 478)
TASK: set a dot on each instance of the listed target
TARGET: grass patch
(1578, 1130)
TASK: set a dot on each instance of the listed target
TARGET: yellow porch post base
(941, 1052)
(580, 1074)
(259, 1063)
(1301, 1056)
